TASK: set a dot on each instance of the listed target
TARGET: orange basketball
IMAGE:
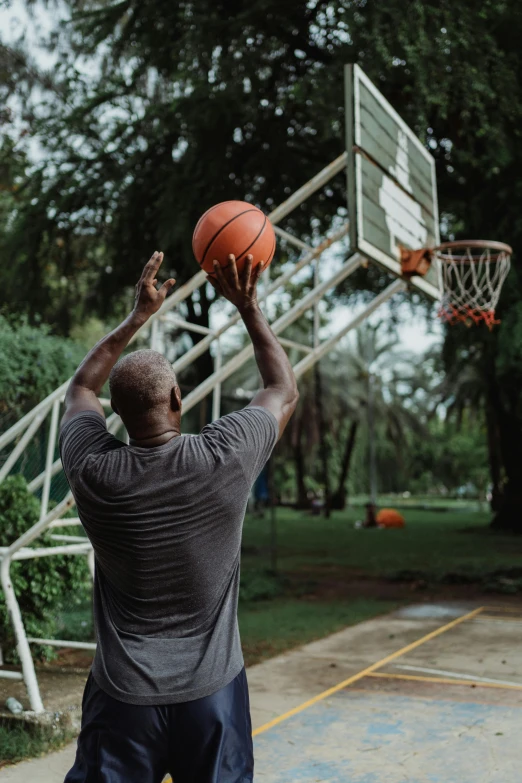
(233, 227)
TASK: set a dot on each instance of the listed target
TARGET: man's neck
(148, 441)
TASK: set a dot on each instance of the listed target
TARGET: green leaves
(44, 585)
(33, 362)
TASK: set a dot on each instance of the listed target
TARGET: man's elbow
(294, 398)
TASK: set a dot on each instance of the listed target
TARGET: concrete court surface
(418, 717)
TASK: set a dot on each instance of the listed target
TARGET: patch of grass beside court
(271, 627)
(19, 742)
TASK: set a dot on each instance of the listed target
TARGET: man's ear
(175, 399)
(114, 408)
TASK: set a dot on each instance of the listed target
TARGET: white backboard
(392, 188)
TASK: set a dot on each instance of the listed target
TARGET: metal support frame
(22, 432)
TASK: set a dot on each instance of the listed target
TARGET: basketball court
(446, 707)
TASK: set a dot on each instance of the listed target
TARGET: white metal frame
(21, 433)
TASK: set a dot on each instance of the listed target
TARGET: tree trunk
(339, 496)
(299, 459)
(494, 455)
(323, 447)
(509, 514)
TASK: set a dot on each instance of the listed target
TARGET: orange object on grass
(389, 517)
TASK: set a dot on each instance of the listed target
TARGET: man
(167, 691)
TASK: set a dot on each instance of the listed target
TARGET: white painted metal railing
(21, 434)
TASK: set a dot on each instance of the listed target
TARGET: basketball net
(473, 273)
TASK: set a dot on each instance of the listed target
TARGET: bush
(42, 586)
(259, 586)
(33, 362)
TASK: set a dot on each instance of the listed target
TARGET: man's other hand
(241, 290)
(148, 298)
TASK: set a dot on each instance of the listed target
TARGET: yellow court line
(445, 680)
(368, 670)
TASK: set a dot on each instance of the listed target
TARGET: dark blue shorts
(208, 740)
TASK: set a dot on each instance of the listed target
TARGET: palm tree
(386, 390)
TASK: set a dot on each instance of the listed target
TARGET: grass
(433, 544)
(271, 627)
(19, 742)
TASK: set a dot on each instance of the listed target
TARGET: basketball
(233, 227)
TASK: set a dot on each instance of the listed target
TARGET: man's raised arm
(279, 394)
(90, 377)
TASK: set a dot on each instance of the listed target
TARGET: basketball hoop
(472, 273)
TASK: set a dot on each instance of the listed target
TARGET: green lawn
(434, 543)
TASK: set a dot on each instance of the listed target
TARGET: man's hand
(88, 380)
(240, 290)
(148, 298)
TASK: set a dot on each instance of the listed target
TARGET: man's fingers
(166, 287)
(232, 271)
(218, 271)
(151, 267)
(256, 274)
(247, 270)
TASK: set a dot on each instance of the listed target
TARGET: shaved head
(141, 383)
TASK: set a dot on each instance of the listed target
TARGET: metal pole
(316, 305)
(273, 517)
(51, 443)
(154, 334)
(216, 397)
(22, 645)
(13, 608)
(91, 563)
(371, 437)
(22, 443)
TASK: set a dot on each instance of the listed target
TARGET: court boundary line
(444, 680)
(364, 672)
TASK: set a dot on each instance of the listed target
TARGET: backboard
(392, 188)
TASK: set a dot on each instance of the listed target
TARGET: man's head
(144, 391)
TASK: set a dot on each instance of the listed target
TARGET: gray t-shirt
(165, 523)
